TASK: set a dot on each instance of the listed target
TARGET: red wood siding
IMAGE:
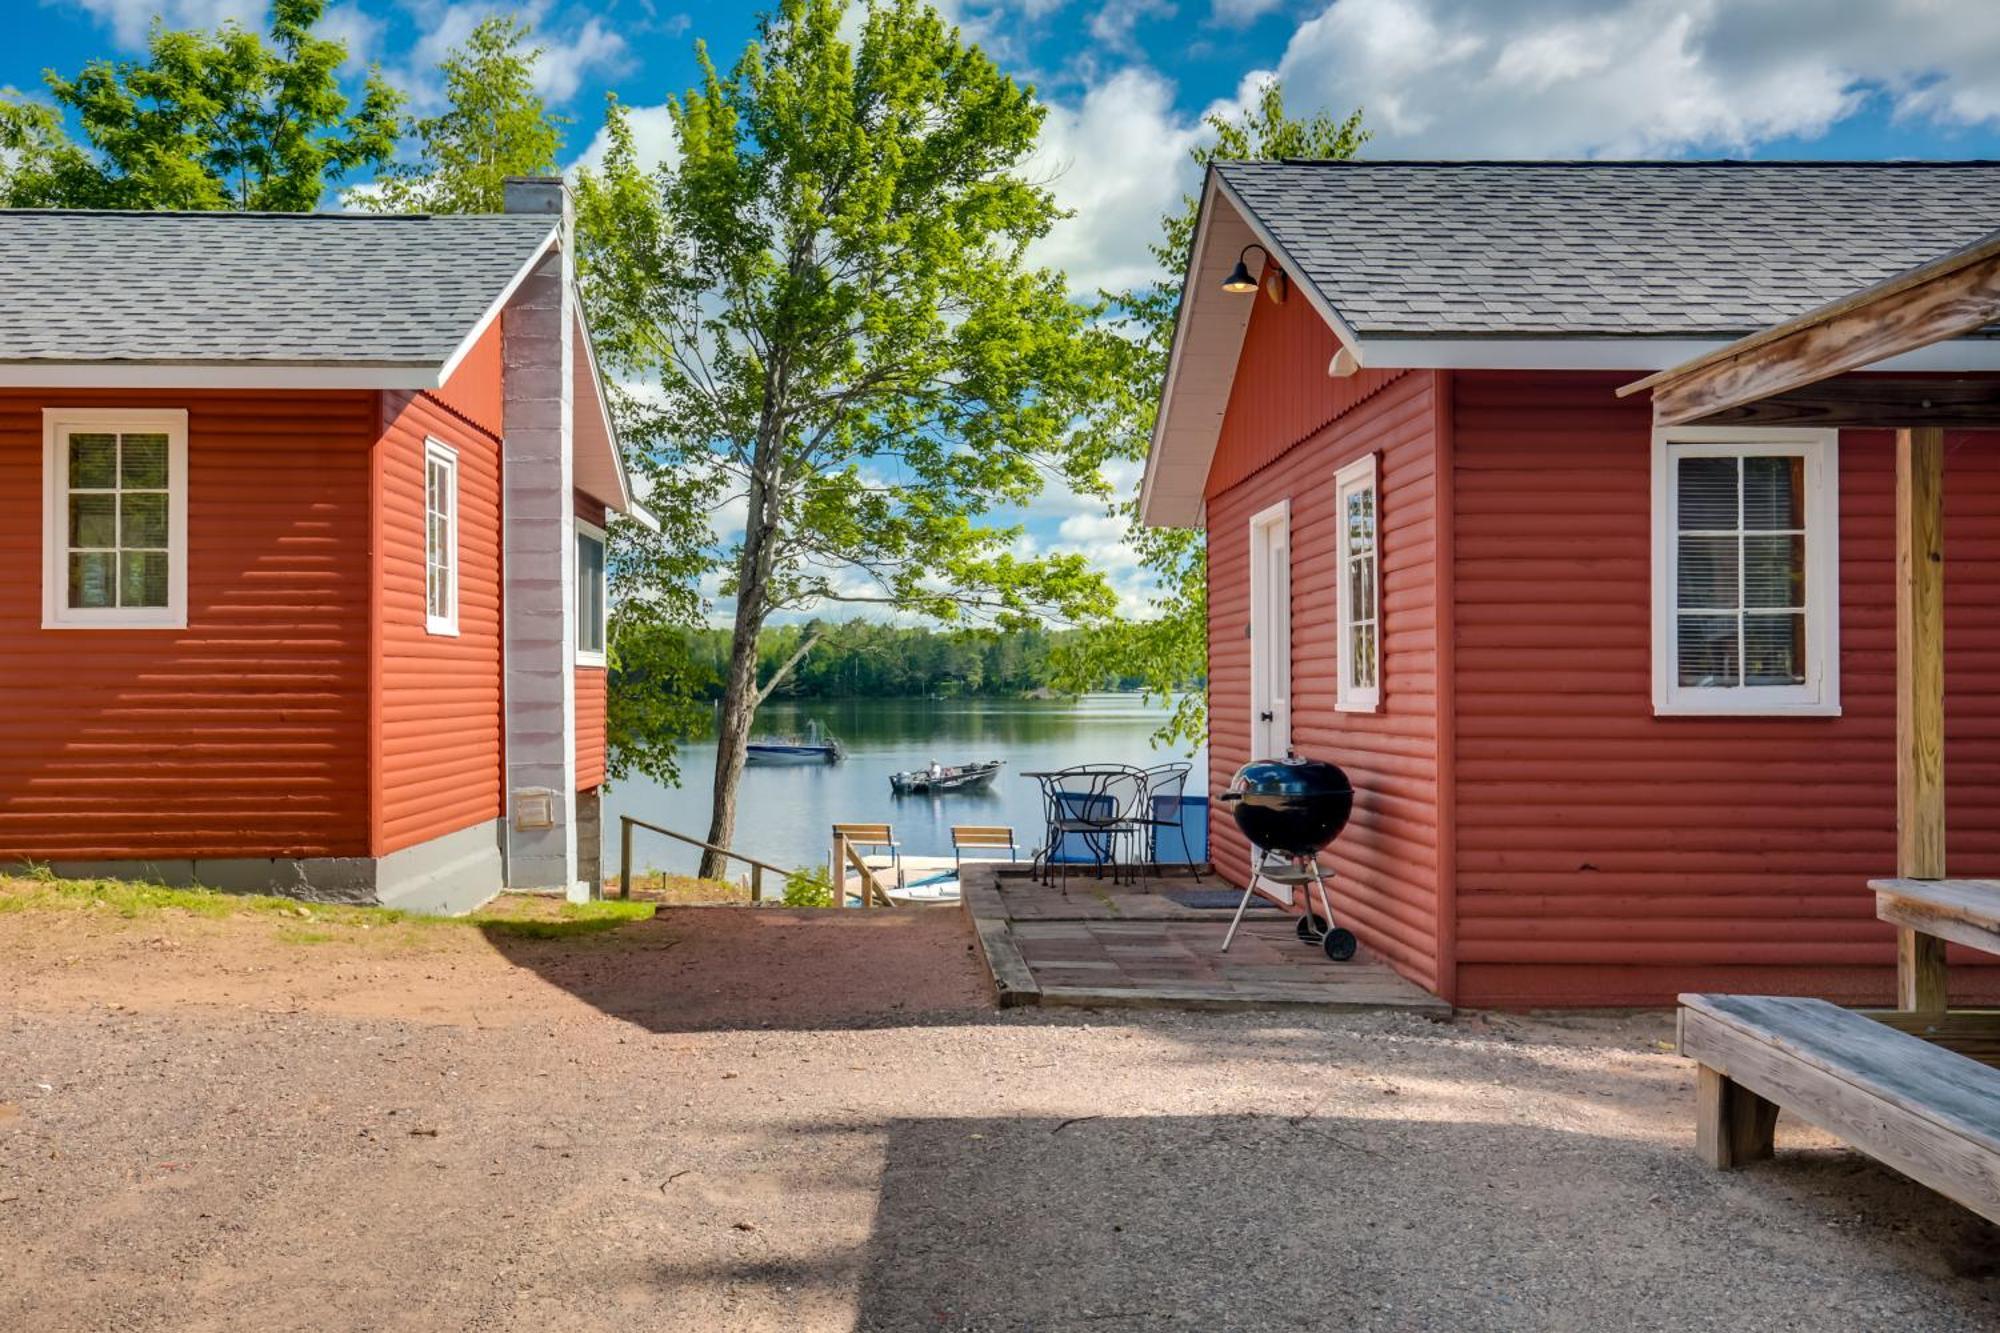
(474, 389)
(590, 699)
(1605, 856)
(437, 731)
(591, 685)
(1387, 883)
(243, 735)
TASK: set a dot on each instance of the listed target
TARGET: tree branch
(806, 645)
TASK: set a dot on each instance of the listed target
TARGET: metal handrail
(625, 825)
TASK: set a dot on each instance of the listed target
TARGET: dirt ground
(732, 1119)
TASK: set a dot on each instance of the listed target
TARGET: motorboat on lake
(815, 747)
(940, 778)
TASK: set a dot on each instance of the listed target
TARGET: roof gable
(369, 300)
(1604, 249)
(1544, 265)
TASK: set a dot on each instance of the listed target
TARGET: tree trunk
(739, 712)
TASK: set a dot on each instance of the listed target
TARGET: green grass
(308, 923)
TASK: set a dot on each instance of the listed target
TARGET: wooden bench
(1932, 1114)
(971, 837)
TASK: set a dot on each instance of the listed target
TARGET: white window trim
(1363, 473)
(440, 452)
(1820, 695)
(58, 423)
(586, 657)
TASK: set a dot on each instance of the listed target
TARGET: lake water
(785, 814)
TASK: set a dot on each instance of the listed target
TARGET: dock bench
(1929, 1112)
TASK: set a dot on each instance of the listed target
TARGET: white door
(1271, 632)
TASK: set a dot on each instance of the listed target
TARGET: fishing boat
(943, 778)
(938, 888)
(815, 747)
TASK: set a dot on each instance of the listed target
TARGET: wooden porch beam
(1920, 970)
(1860, 402)
(1946, 298)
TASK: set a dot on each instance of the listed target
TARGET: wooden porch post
(1920, 970)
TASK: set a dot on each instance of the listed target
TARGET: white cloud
(1241, 13)
(1637, 77)
(359, 31)
(131, 20)
(653, 139)
(1118, 160)
(571, 50)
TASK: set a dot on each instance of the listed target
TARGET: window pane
(93, 461)
(144, 462)
(142, 578)
(1708, 651)
(1774, 649)
(1707, 496)
(93, 520)
(1774, 493)
(1361, 589)
(1360, 521)
(589, 593)
(1707, 574)
(91, 578)
(1774, 571)
(143, 520)
(1368, 656)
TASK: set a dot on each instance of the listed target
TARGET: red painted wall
(437, 720)
(246, 733)
(1606, 856)
(1288, 428)
(591, 690)
(474, 389)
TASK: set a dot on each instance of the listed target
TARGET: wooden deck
(1104, 944)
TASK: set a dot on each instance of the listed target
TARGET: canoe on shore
(960, 777)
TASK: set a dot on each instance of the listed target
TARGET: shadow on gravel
(1258, 1222)
(703, 969)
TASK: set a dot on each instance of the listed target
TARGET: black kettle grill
(1290, 809)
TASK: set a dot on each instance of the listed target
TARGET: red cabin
(309, 576)
(1617, 702)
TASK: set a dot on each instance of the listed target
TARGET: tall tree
(208, 120)
(494, 125)
(831, 292)
(1170, 646)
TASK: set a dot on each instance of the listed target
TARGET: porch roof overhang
(1799, 372)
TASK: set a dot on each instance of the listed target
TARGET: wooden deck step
(1930, 1113)
(1966, 911)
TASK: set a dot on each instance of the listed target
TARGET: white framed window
(1746, 572)
(440, 538)
(590, 604)
(1359, 598)
(114, 518)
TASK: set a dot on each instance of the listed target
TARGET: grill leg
(1237, 920)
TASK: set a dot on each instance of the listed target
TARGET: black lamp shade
(1239, 279)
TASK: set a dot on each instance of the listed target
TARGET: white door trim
(1270, 625)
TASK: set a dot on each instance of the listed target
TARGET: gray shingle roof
(335, 289)
(1588, 249)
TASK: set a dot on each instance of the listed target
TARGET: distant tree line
(858, 659)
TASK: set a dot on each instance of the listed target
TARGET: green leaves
(495, 125)
(830, 293)
(207, 121)
(1170, 647)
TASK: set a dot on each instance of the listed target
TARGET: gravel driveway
(759, 1120)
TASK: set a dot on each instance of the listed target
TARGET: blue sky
(1127, 82)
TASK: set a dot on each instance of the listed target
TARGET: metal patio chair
(1165, 786)
(1094, 807)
